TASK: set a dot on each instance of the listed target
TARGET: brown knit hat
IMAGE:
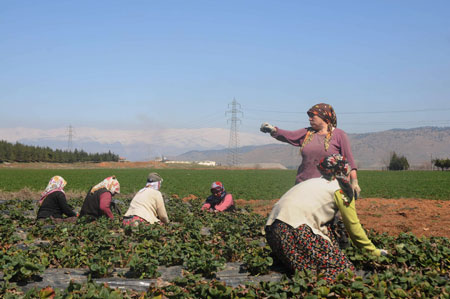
(154, 177)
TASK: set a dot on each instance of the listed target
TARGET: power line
(360, 112)
(396, 111)
(347, 122)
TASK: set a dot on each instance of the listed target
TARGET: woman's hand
(380, 252)
(355, 186)
(267, 128)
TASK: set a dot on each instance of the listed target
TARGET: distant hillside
(270, 153)
(135, 145)
(419, 146)
(371, 150)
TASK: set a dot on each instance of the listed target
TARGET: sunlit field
(244, 184)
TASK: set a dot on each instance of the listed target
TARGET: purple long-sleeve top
(314, 151)
(105, 204)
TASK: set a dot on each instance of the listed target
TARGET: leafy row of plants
(202, 243)
(104, 245)
(390, 284)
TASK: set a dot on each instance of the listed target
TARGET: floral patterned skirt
(300, 249)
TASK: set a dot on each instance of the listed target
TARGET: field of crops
(244, 184)
(202, 243)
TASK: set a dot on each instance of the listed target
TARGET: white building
(203, 163)
(207, 163)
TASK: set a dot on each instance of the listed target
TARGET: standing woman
(298, 229)
(321, 139)
(53, 203)
(98, 199)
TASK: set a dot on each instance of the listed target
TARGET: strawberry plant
(100, 265)
(20, 266)
(257, 259)
(7, 229)
(203, 262)
(201, 243)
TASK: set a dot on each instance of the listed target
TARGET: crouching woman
(219, 200)
(53, 203)
(299, 231)
(98, 199)
(147, 206)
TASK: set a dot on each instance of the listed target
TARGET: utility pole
(69, 141)
(233, 157)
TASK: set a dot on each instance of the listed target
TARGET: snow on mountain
(132, 144)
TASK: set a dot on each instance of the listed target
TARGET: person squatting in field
(298, 228)
(147, 206)
(98, 199)
(219, 200)
(316, 142)
(53, 203)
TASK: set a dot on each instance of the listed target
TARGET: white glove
(383, 252)
(267, 128)
(355, 186)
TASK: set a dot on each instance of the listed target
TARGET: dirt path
(422, 217)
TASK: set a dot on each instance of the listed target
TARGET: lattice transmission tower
(233, 157)
(69, 138)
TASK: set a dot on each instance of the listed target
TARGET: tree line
(26, 153)
(442, 163)
(398, 162)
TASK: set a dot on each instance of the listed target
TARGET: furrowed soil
(421, 217)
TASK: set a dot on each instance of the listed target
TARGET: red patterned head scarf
(336, 166)
(325, 112)
(110, 183)
(56, 183)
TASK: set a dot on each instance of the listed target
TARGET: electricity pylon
(233, 157)
(69, 138)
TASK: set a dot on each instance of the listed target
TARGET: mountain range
(370, 150)
(134, 145)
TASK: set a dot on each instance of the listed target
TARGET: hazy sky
(178, 64)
